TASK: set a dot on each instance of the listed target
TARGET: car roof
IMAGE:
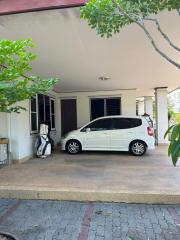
(121, 116)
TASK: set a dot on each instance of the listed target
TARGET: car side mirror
(88, 130)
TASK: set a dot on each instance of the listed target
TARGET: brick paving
(67, 220)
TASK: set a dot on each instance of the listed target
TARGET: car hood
(72, 132)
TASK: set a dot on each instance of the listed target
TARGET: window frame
(105, 98)
(37, 115)
(126, 118)
(44, 113)
(51, 113)
(98, 120)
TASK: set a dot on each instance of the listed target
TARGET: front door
(68, 115)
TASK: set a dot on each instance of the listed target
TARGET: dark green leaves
(174, 147)
(15, 84)
(108, 16)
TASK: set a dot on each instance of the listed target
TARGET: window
(101, 125)
(52, 108)
(42, 111)
(112, 106)
(124, 123)
(34, 114)
(105, 107)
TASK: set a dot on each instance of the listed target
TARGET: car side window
(125, 123)
(100, 125)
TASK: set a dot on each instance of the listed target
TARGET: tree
(15, 83)
(174, 147)
(110, 16)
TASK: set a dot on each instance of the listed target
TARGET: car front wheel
(73, 147)
(138, 148)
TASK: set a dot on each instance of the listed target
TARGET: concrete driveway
(95, 176)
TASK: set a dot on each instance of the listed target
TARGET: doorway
(68, 115)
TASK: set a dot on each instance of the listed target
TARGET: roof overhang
(69, 49)
(20, 6)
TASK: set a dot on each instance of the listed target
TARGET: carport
(116, 177)
(124, 68)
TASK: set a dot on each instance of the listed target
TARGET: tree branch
(3, 66)
(140, 23)
(162, 33)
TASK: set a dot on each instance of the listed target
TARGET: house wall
(3, 125)
(22, 141)
(128, 103)
(17, 128)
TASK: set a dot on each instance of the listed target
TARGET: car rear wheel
(138, 148)
(73, 147)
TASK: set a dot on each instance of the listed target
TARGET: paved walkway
(61, 220)
(114, 177)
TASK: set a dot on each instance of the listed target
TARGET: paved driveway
(60, 220)
(95, 176)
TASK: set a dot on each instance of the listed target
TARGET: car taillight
(150, 131)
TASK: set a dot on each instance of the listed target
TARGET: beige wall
(128, 102)
(22, 142)
(3, 125)
(18, 130)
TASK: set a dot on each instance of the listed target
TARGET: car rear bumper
(151, 145)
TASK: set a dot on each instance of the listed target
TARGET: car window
(100, 125)
(125, 123)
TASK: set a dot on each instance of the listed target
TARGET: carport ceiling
(67, 48)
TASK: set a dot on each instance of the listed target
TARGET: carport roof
(19, 6)
(67, 48)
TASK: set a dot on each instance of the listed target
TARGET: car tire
(73, 147)
(138, 148)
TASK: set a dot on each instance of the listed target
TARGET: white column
(148, 106)
(161, 114)
(140, 107)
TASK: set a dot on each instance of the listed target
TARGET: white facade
(161, 114)
(148, 106)
(128, 102)
(17, 126)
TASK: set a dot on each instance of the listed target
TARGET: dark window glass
(41, 108)
(47, 109)
(100, 125)
(53, 121)
(136, 122)
(113, 106)
(52, 107)
(33, 104)
(33, 122)
(124, 123)
(97, 108)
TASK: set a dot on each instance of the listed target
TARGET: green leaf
(15, 83)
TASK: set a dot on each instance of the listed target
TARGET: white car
(112, 133)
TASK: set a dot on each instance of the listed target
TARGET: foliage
(176, 117)
(174, 147)
(15, 84)
(110, 16)
(170, 112)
